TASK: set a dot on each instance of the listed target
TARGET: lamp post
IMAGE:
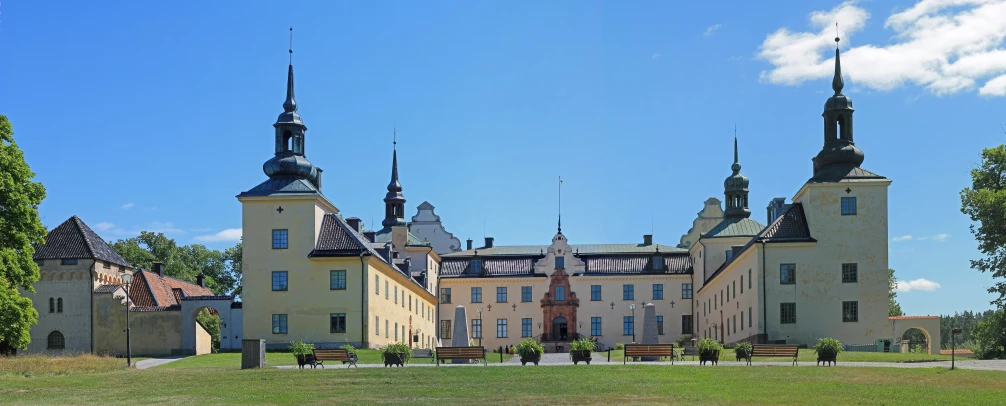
(632, 306)
(953, 347)
(716, 332)
(127, 279)
(480, 326)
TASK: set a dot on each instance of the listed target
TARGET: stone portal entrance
(560, 329)
(559, 306)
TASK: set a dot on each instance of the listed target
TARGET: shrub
(529, 347)
(619, 346)
(684, 340)
(301, 348)
(708, 346)
(349, 348)
(743, 349)
(402, 350)
(828, 347)
(583, 344)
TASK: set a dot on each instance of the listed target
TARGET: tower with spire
(839, 155)
(735, 189)
(394, 201)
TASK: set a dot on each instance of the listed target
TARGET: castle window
(686, 324)
(628, 292)
(560, 293)
(59, 305)
(445, 295)
(476, 295)
(525, 327)
(787, 274)
(660, 325)
(55, 341)
(52, 305)
(68, 262)
(39, 262)
(848, 206)
(501, 294)
(337, 280)
(105, 264)
(501, 328)
(658, 291)
(279, 324)
(658, 263)
(686, 291)
(595, 292)
(279, 239)
(525, 293)
(445, 329)
(338, 322)
(476, 328)
(850, 273)
(787, 313)
(560, 262)
(850, 311)
(279, 280)
(476, 266)
(595, 326)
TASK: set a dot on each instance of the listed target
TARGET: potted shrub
(529, 351)
(742, 351)
(351, 350)
(396, 354)
(827, 350)
(709, 350)
(581, 350)
(304, 353)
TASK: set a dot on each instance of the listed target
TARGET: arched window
(52, 305)
(59, 305)
(56, 341)
(287, 136)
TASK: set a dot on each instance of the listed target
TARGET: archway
(918, 340)
(204, 317)
(915, 327)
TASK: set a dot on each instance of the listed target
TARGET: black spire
(394, 201)
(290, 161)
(735, 189)
(839, 149)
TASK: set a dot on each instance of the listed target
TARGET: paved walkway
(552, 359)
(153, 362)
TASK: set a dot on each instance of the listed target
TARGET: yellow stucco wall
(204, 341)
(394, 305)
(152, 333)
(715, 308)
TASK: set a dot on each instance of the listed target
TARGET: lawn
(632, 384)
(233, 359)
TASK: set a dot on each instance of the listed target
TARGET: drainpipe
(764, 294)
(436, 323)
(91, 273)
(363, 302)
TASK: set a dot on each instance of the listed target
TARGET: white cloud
(230, 235)
(945, 46)
(128, 206)
(902, 238)
(940, 237)
(918, 284)
(712, 29)
(655, 56)
(104, 226)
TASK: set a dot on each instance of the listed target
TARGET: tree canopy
(985, 203)
(20, 229)
(184, 262)
(894, 308)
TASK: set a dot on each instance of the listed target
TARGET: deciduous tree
(894, 308)
(20, 229)
(985, 203)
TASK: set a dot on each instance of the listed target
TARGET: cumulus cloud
(128, 206)
(655, 56)
(902, 238)
(940, 237)
(228, 235)
(104, 226)
(945, 46)
(712, 29)
(918, 284)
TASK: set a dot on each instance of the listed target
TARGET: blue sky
(153, 116)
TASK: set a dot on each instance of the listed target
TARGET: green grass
(608, 384)
(233, 359)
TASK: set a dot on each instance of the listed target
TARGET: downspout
(436, 323)
(363, 302)
(764, 294)
(92, 303)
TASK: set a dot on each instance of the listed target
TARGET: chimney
(200, 280)
(370, 235)
(647, 239)
(354, 223)
(489, 242)
(469, 241)
(405, 267)
(159, 268)
(736, 249)
(386, 252)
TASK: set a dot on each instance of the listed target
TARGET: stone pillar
(461, 338)
(650, 335)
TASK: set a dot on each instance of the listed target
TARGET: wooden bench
(469, 353)
(648, 350)
(423, 354)
(776, 350)
(686, 351)
(341, 355)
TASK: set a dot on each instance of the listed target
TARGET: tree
(20, 229)
(232, 256)
(894, 308)
(210, 322)
(181, 262)
(990, 336)
(985, 203)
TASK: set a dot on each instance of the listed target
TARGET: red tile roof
(912, 317)
(152, 290)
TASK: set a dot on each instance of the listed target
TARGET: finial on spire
(290, 105)
(837, 83)
(291, 45)
(394, 139)
(735, 144)
(560, 204)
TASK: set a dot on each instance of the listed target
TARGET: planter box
(580, 355)
(393, 359)
(828, 359)
(305, 359)
(530, 358)
(741, 355)
(713, 358)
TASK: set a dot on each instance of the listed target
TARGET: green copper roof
(384, 235)
(735, 227)
(583, 249)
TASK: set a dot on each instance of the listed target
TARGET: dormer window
(730, 254)
(477, 266)
(658, 263)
